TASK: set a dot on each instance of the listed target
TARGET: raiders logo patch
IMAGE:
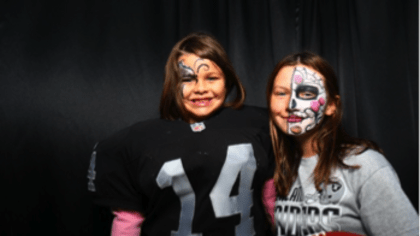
(198, 127)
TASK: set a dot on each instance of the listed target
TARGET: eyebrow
(207, 73)
(282, 87)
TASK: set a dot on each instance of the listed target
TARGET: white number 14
(240, 159)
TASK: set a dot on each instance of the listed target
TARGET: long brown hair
(204, 46)
(331, 142)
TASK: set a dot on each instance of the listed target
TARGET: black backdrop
(73, 72)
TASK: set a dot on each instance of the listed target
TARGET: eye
(306, 92)
(307, 95)
(187, 79)
(280, 93)
(212, 78)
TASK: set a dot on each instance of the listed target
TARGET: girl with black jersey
(200, 168)
(325, 180)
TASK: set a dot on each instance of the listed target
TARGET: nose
(292, 104)
(200, 86)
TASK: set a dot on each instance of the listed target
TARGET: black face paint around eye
(186, 71)
(306, 89)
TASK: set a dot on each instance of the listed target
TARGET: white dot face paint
(307, 101)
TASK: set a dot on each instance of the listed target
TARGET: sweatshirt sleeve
(384, 207)
(127, 223)
(269, 198)
(112, 174)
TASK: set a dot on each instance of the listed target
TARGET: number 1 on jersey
(172, 174)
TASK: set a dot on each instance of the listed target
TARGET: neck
(306, 145)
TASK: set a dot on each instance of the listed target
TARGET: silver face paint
(172, 174)
(307, 102)
(186, 71)
(240, 159)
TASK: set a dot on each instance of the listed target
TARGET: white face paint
(307, 101)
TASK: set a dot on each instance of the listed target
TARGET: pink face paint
(321, 101)
(298, 79)
(315, 106)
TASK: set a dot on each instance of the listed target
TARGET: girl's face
(298, 99)
(203, 86)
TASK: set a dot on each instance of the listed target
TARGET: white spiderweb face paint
(307, 102)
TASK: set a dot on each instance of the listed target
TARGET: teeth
(201, 101)
(303, 115)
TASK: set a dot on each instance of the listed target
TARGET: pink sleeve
(126, 223)
(269, 198)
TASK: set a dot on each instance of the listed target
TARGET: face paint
(199, 63)
(307, 101)
(186, 71)
(202, 86)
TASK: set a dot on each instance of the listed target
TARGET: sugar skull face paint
(203, 86)
(307, 101)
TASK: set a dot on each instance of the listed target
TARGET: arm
(384, 207)
(269, 198)
(126, 223)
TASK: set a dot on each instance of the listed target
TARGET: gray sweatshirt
(366, 201)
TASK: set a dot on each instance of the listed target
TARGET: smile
(201, 102)
(294, 119)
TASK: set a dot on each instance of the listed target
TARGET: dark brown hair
(330, 142)
(204, 46)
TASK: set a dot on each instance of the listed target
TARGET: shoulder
(138, 131)
(373, 165)
(368, 160)
(254, 111)
(249, 116)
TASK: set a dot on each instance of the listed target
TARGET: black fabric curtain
(73, 72)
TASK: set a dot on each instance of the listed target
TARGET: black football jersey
(189, 179)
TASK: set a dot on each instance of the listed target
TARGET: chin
(200, 116)
(282, 126)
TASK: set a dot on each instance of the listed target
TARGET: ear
(332, 107)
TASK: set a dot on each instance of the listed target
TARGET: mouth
(201, 102)
(294, 119)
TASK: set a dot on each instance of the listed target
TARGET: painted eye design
(306, 92)
(186, 71)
